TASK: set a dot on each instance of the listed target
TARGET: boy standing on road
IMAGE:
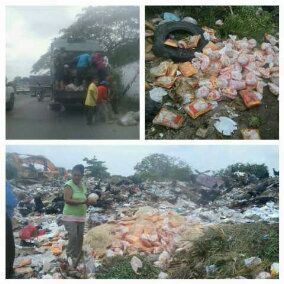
(90, 101)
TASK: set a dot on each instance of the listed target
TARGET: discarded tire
(176, 54)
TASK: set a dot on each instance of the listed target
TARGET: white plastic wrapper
(157, 94)
(201, 105)
(219, 23)
(259, 86)
(271, 39)
(251, 79)
(237, 75)
(274, 89)
(222, 82)
(225, 125)
(225, 60)
(237, 85)
(189, 20)
(243, 59)
(205, 83)
(252, 43)
(196, 63)
(202, 92)
(204, 60)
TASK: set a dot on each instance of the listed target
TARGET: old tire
(176, 54)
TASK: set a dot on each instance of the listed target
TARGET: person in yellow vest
(74, 213)
(90, 101)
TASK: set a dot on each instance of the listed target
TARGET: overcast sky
(29, 31)
(121, 159)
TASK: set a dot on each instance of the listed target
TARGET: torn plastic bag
(169, 118)
(197, 108)
(237, 85)
(165, 82)
(202, 92)
(157, 94)
(225, 125)
(160, 70)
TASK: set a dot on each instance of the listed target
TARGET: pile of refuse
(224, 70)
(148, 218)
(149, 230)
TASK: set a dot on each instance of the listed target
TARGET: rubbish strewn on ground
(233, 72)
(156, 220)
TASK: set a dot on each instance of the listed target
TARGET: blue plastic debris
(171, 17)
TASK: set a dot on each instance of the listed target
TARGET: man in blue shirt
(82, 64)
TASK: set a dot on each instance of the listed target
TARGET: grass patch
(119, 267)
(227, 246)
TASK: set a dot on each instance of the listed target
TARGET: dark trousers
(90, 111)
(10, 248)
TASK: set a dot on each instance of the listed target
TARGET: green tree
(96, 168)
(117, 31)
(162, 167)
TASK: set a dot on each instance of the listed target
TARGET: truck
(40, 83)
(72, 48)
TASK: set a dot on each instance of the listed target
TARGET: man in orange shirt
(103, 101)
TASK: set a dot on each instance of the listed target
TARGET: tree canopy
(96, 168)
(162, 167)
(117, 31)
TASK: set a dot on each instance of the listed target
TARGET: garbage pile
(223, 80)
(148, 218)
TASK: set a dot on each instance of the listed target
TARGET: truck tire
(176, 54)
(10, 103)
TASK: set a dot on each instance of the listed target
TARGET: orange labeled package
(197, 108)
(250, 98)
(169, 119)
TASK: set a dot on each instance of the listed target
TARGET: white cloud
(29, 31)
(122, 159)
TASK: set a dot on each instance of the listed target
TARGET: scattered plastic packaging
(252, 261)
(169, 118)
(189, 20)
(157, 94)
(171, 17)
(197, 108)
(225, 125)
(274, 269)
(250, 134)
(250, 98)
(263, 275)
(136, 263)
(130, 118)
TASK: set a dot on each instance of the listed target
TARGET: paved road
(31, 119)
